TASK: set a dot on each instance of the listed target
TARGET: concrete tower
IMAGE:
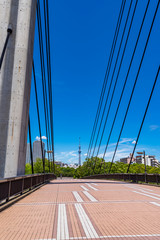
(79, 152)
(37, 151)
(15, 83)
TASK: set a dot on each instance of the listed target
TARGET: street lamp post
(144, 164)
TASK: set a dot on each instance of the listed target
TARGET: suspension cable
(30, 143)
(144, 118)
(39, 123)
(47, 54)
(43, 71)
(134, 84)
(124, 50)
(124, 85)
(106, 75)
(47, 36)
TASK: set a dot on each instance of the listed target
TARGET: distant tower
(79, 152)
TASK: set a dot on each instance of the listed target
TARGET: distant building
(155, 163)
(150, 160)
(37, 152)
(28, 154)
(65, 165)
(127, 159)
(58, 163)
(74, 165)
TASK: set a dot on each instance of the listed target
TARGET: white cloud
(125, 147)
(122, 141)
(43, 137)
(67, 157)
(134, 142)
(153, 127)
(126, 140)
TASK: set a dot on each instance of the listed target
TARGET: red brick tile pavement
(119, 211)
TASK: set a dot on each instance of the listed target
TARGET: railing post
(9, 191)
(146, 179)
(31, 184)
(157, 179)
(129, 177)
(22, 185)
(136, 178)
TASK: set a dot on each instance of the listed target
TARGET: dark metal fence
(14, 186)
(132, 177)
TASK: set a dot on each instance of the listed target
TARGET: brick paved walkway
(84, 209)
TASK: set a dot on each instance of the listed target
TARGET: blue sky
(81, 38)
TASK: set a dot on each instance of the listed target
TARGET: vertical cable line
(43, 70)
(155, 81)
(108, 69)
(47, 35)
(126, 78)
(30, 144)
(39, 123)
(45, 83)
(116, 77)
(52, 123)
(48, 66)
(105, 81)
(134, 85)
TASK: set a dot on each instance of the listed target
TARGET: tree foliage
(38, 168)
(90, 166)
(97, 165)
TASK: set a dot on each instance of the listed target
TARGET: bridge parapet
(11, 187)
(132, 177)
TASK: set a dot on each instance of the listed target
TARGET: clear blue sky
(81, 38)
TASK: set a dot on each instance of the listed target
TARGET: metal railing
(132, 177)
(11, 187)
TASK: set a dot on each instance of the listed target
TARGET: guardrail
(11, 187)
(132, 177)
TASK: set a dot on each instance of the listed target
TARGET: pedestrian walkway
(84, 209)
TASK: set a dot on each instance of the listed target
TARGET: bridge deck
(84, 209)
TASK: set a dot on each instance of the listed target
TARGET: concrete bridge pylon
(15, 83)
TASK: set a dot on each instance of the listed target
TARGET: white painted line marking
(157, 204)
(92, 187)
(86, 189)
(114, 236)
(139, 188)
(147, 195)
(77, 196)
(150, 193)
(90, 196)
(85, 221)
(62, 227)
(94, 184)
(126, 236)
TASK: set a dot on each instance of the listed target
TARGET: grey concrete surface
(15, 83)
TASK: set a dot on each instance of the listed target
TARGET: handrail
(10, 187)
(132, 177)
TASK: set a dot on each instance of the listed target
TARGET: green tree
(28, 169)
